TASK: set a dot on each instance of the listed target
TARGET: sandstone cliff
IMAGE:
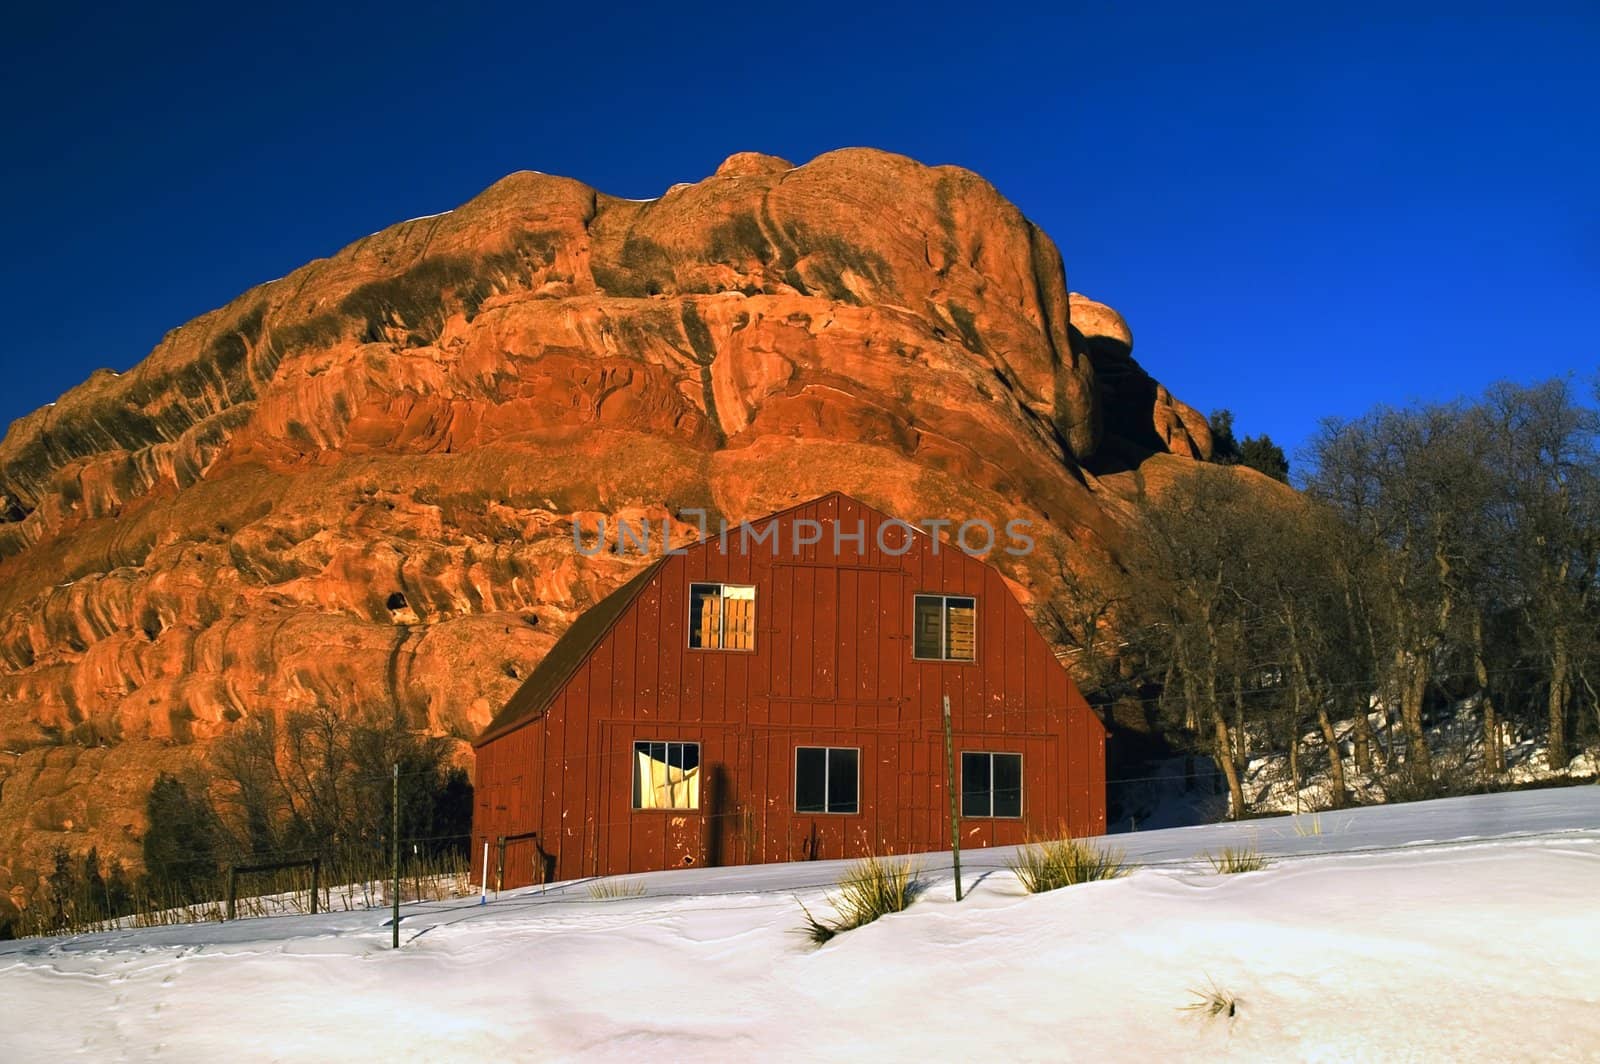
(354, 486)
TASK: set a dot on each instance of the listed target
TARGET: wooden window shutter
(961, 630)
(710, 621)
(739, 623)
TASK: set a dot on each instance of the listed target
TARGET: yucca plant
(1240, 859)
(1306, 828)
(870, 889)
(818, 931)
(1212, 1001)
(607, 889)
(1055, 863)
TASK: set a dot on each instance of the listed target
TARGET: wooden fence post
(396, 833)
(950, 785)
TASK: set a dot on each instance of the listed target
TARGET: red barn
(775, 694)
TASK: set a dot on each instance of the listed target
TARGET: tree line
(1434, 555)
(314, 783)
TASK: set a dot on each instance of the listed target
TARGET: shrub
(321, 330)
(1050, 865)
(606, 889)
(85, 894)
(641, 267)
(967, 325)
(1237, 859)
(1451, 776)
(412, 302)
(738, 240)
(875, 887)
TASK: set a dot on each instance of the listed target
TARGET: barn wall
(832, 666)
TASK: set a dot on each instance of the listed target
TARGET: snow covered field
(1463, 929)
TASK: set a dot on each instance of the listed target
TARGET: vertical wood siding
(832, 665)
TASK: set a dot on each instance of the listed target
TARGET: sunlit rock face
(355, 486)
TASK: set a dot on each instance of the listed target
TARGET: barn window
(666, 775)
(827, 779)
(722, 617)
(991, 785)
(946, 628)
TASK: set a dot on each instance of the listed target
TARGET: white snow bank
(1467, 950)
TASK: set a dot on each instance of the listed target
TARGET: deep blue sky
(1298, 215)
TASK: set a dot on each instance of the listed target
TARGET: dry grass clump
(1212, 1001)
(1051, 864)
(606, 889)
(875, 887)
(1240, 859)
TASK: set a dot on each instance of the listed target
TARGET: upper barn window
(666, 775)
(946, 628)
(722, 617)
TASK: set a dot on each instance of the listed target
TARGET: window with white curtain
(666, 775)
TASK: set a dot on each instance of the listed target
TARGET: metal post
(316, 882)
(950, 785)
(396, 830)
(483, 896)
(233, 888)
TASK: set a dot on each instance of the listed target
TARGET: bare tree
(1308, 606)
(321, 782)
(1410, 482)
(1549, 466)
(1196, 604)
(1439, 551)
(1080, 615)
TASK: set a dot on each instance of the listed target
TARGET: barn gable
(565, 656)
(835, 658)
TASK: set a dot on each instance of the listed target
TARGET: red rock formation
(355, 486)
(1148, 417)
